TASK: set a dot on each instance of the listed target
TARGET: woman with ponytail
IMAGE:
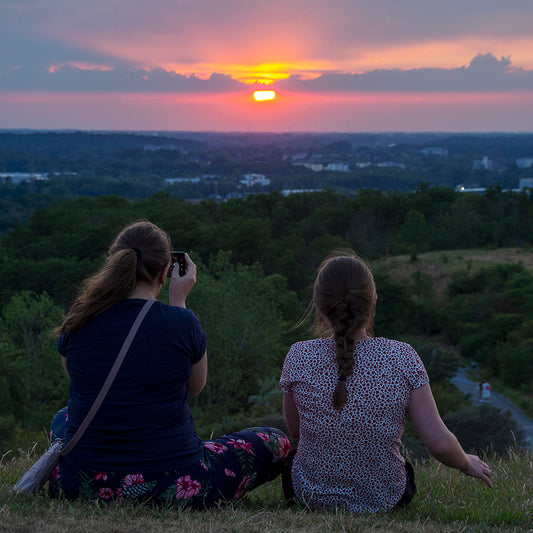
(142, 445)
(346, 397)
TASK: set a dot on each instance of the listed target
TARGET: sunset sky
(335, 65)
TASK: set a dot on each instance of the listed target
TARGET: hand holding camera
(179, 259)
(183, 281)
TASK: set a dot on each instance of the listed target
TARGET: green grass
(446, 501)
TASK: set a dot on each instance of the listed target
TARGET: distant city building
(524, 162)
(287, 192)
(470, 188)
(155, 147)
(438, 150)
(19, 177)
(172, 181)
(234, 196)
(484, 163)
(383, 164)
(390, 164)
(525, 183)
(255, 179)
(315, 167)
(337, 167)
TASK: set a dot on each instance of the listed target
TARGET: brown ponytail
(344, 305)
(139, 253)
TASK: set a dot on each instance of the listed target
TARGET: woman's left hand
(180, 286)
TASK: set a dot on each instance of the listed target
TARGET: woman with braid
(347, 395)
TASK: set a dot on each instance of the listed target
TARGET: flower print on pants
(133, 479)
(215, 447)
(284, 447)
(264, 437)
(186, 487)
(105, 493)
(241, 490)
(242, 444)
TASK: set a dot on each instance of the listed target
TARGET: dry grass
(446, 501)
(440, 266)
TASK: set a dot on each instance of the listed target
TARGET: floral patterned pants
(231, 466)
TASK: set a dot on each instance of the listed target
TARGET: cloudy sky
(335, 65)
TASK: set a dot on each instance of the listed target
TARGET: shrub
(482, 428)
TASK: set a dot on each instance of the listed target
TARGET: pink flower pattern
(133, 479)
(284, 447)
(186, 487)
(119, 488)
(215, 447)
(105, 493)
(243, 445)
(243, 486)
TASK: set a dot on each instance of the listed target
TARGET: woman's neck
(145, 291)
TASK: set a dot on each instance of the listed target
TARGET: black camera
(179, 259)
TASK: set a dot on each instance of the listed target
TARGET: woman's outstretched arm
(439, 440)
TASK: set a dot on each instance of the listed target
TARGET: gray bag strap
(110, 378)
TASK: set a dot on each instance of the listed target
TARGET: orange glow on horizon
(291, 111)
(263, 74)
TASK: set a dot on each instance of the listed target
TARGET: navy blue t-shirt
(144, 423)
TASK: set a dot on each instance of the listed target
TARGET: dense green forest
(256, 260)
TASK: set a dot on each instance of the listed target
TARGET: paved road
(497, 400)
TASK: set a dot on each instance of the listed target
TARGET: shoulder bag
(40, 472)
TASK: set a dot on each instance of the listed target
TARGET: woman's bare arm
(439, 440)
(198, 377)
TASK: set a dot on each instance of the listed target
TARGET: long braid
(344, 295)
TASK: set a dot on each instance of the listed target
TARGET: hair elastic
(138, 252)
(342, 378)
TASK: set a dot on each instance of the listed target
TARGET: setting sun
(261, 96)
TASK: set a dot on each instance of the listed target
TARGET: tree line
(257, 258)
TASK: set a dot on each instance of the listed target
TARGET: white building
(337, 167)
(485, 163)
(525, 183)
(390, 164)
(438, 150)
(287, 192)
(467, 188)
(255, 179)
(172, 181)
(524, 162)
(19, 177)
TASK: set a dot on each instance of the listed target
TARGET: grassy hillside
(447, 501)
(442, 265)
